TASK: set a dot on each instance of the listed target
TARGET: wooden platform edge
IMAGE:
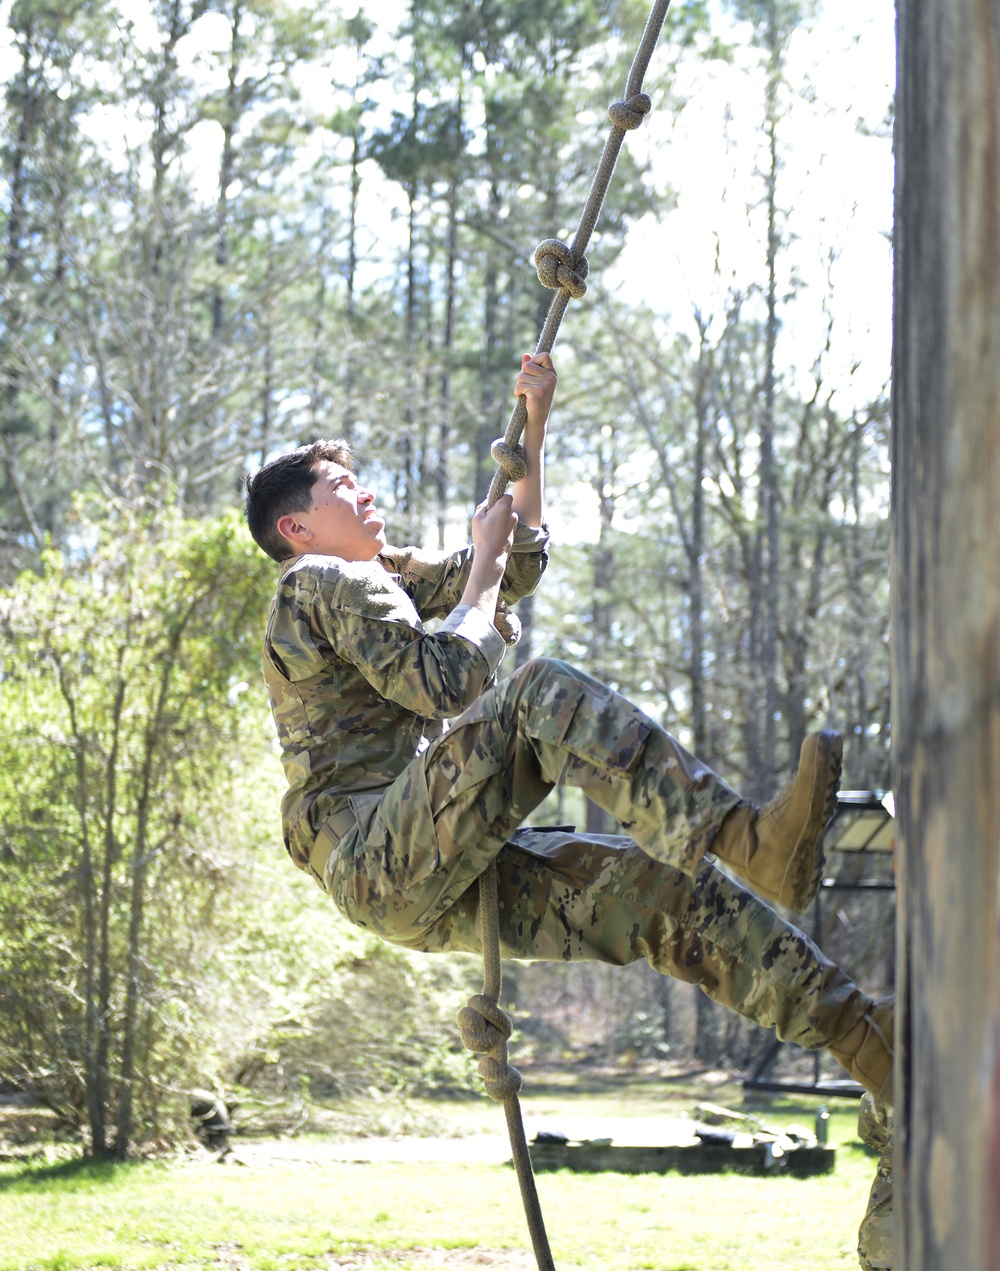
(702, 1158)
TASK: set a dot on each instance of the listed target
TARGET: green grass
(299, 1215)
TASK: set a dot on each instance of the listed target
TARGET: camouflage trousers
(408, 866)
(875, 1235)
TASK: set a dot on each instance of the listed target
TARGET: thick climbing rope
(484, 1027)
(565, 268)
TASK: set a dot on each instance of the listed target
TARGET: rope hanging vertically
(483, 1025)
(564, 268)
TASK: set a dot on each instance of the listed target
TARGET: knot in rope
(507, 624)
(511, 459)
(483, 1026)
(484, 1029)
(500, 1080)
(557, 269)
(629, 114)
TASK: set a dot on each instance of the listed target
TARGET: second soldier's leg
(875, 1235)
(567, 897)
(563, 727)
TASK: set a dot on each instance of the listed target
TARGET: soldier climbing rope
(564, 268)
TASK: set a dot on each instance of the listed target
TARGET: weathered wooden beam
(946, 631)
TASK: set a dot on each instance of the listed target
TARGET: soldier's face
(343, 520)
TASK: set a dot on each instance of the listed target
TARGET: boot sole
(800, 885)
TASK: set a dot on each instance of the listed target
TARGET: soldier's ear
(295, 531)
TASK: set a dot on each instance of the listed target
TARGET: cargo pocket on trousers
(467, 785)
(588, 720)
(365, 805)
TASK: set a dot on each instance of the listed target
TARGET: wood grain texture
(946, 630)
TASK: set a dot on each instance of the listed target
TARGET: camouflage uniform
(396, 816)
(875, 1238)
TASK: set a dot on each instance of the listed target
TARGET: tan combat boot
(779, 850)
(866, 1051)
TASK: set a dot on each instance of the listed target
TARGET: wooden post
(946, 623)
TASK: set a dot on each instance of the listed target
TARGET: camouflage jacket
(357, 684)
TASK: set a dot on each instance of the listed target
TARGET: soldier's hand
(536, 382)
(493, 528)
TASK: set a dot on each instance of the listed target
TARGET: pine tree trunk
(862, 768)
(226, 165)
(447, 406)
(488, 395)
(410, 496)
(14, 261)
(603, 563)
(152, 740)
(696, 603)
(768, 761)
(101, 1075)
(350, 372)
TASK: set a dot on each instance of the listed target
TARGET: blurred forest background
(720, 523)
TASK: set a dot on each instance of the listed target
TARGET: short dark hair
(284, 485)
